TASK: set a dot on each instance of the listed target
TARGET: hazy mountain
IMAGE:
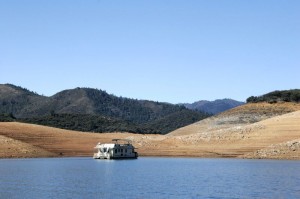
(89, 109)
(213, 107)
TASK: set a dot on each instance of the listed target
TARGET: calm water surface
(148, 178)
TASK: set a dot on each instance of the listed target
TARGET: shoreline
(152, 156)
(158, 156)
(20, 140)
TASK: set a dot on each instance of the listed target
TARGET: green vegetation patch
(277, 96)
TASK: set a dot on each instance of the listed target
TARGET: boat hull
(99, 156)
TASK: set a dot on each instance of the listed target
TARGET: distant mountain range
(87, 109)
(213, 107)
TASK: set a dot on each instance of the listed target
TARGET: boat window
(116, 150)
(125, 150)
(104, 150)
(122, 150)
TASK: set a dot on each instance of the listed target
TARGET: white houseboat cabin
(120, 149)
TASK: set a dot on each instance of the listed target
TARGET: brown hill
(234, 133)
(277, 137)
(20, 140)
(11, 148)
(239, 116)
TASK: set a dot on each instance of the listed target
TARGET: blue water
(148, 178)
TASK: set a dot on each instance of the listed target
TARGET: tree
(252, 99)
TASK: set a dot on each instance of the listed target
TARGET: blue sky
(164, 50)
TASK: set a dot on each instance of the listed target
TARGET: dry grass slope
(56, 142)
(239, 116)
(251, 131)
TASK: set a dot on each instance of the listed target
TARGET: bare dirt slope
(11, 148)
(47, 141)
(276, 137)
(239, 116)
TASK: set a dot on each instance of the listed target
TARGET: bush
(277, 96)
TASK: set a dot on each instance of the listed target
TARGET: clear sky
(164, 50)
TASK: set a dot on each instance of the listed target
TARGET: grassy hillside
(87, 109)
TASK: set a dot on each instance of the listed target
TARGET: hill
(252, 130)
(277, 96)
(87, 109)
(240, 116)
(29, 140)
(213, 107)
(277, 137)
(18, 101)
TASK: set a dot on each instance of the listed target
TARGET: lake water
(148, 178)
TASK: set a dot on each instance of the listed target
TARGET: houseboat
(120, 149)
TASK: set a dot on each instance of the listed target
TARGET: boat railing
(125, 141)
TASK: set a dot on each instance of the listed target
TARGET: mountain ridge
(133, 115)
(213, 107)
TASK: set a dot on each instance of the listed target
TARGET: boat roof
(99, 145)
(124, 140)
